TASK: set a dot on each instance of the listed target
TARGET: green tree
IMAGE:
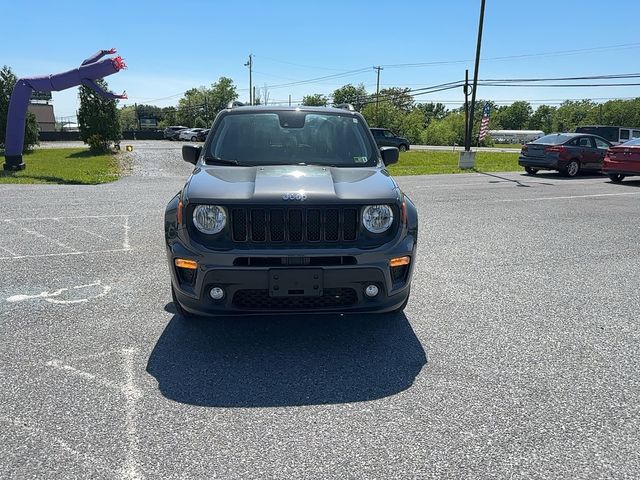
(412, 125)
(448, 131)
(355, 95)
(618, 112)
(127, 118)
(432, 111)
(514, 116)
(218, 97)
(542, 119)
(205, 102)
(7, 81)
(168, 117)
(572, 113)
(400, 98)
(315, 100)
(384, 116)
(98, 119)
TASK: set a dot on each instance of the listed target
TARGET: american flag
(484, 125)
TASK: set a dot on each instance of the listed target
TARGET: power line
(560, 85)
(513, 57)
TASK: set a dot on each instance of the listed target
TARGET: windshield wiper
(225, 161)
(317, 164)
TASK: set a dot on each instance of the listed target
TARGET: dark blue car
(569, 153)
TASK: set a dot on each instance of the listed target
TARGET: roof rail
(345, 106)
(235, 104)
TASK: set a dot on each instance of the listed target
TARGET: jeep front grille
(294, 225)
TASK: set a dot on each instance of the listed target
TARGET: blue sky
(172, 46)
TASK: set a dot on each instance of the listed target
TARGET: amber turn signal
(189, 264)
(398, 262)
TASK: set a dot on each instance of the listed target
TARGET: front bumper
(247, 287)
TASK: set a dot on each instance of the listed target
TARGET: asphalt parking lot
(517, 356)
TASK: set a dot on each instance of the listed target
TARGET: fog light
(371, 291)
(217, 293)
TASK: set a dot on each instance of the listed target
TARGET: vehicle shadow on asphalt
(275, 361)
(560, 176)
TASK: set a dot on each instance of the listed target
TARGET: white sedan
(189, 134)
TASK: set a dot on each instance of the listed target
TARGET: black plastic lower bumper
(251, 291)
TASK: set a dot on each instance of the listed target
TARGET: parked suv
(171, 133)
(386, 138)
(290, 210)
(568, 153)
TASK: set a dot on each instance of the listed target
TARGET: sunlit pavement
(517, 356)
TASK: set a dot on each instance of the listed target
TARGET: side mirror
(390, 155)
(191, 153)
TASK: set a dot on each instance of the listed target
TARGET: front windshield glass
(554, 139)
(291, 137)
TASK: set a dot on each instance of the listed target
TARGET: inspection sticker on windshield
(360, 159)
(355, 120)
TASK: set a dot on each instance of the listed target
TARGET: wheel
(193, 139)
(179, 310)
(402, 148)
(531, 171)
(616, 177)
(572, 169)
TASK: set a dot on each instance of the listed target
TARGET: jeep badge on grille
(300, 196)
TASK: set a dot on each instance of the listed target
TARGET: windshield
(555, 139)
(291, 137)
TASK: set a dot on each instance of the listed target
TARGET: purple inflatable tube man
(86, 74)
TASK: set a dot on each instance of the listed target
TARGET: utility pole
(254, 96)
(289, 99)
(467, 140)
(135, 105)
(250, 65)
(378, 68)
(467, 158)
(477, 66)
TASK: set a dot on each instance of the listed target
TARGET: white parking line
(63, 254)
(568, 197)
(58, 225)
(40, 235)
(13, 254)
(49, 439)
(76, 227)
(64, 218)
(53, 297)
(131, 393)
(125, 243)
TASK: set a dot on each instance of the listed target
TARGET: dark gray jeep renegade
(290, 210)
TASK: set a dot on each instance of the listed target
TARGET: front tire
(616, 177)
(193, 139)
(403, 148)
(530, 170)
(572, 169)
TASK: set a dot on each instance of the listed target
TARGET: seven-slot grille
(294, 225)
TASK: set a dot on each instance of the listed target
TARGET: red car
(622, 161)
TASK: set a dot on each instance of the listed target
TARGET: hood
(268, 184)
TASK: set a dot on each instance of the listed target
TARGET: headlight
(377, 218)
(209, 219)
